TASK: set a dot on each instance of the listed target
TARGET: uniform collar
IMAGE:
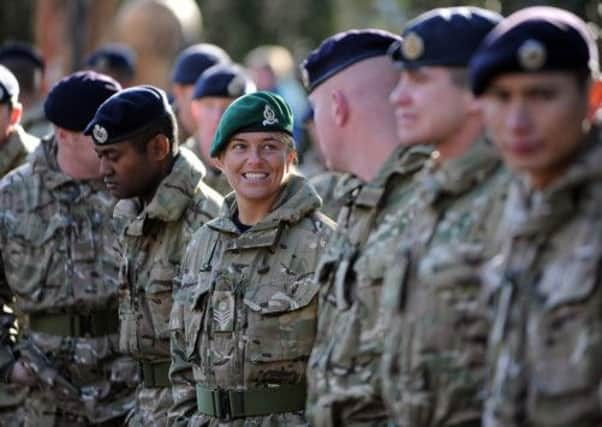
(19, 144)
(530, 211)
(173, 196)
(457, 176)
(296, 200)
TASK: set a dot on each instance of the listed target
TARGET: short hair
(167, 126)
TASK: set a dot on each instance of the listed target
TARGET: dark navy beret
(73, 100)
(223, 80)
(115, 56)
(534, 39)
(9, 86)
(128, 113)
(343, 50)
(193, 60)
(446, 37)
(21, 51)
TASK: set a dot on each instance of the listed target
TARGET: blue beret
(223, 80)
(21, 51)
(343, 50)
(128, 113)
(115, 56)
(9, 86)
(534, 39)
(193, 60)
(446, 37)
(73, 100)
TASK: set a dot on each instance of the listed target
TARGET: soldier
(163, 201)
(534, 73)
(55, 239)
(115, 60)
(213, 92)
(348, 77)
(189, 65)
(28, 66)
(244, 320)
(435, 327)
(15, 143)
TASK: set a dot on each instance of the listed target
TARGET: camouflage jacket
(214, 178)
(326, 184)
(55, 241)
(342, 372)
(545, 347)
(245, 317)
(151, 248)
(15, 150)
(435, 324)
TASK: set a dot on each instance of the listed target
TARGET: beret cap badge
(532, 55)
(412, 46)
(100, 134)
(269, 116)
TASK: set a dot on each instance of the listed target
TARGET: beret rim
(121, 138)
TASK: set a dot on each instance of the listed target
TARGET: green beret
(254, 112)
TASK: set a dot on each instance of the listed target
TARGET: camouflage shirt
(55, 241)
(15, 150)
(326, 184)
(342, 371)
(545, 347)
(151, 248)
(245, 317)
(435, 323)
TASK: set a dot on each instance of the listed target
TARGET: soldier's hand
(21, 374)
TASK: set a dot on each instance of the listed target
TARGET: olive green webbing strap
(155, 374)
(229, 404)
(96, 324)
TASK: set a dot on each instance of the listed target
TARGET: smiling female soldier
(244, 321)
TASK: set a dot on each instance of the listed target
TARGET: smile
(255, 175)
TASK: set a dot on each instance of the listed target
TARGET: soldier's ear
(16, 113)
(159, 147)
(339, 107)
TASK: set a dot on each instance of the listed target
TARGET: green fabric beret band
(255, 112)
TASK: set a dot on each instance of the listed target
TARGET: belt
(96, 324)
(230, 404)
(154, 374)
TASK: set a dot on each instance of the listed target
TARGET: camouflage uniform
(545, 347)
(13, 153)
(244, 320)
(435, 323)
(55, 238)
(343, 368)
(15, 150)
(214, 178)
(326, 184)
(151, 248)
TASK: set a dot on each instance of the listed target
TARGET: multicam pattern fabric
(245, 316)
(545, 347)
(213, 177)
(326, 184)
(14, 151)
(150, 249)
(55, 241)
(435, 325)
(343, 377)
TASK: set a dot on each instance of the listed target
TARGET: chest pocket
(195, 299)
(159, 298)
(281, 320)
(565, 334)
(33, 245)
